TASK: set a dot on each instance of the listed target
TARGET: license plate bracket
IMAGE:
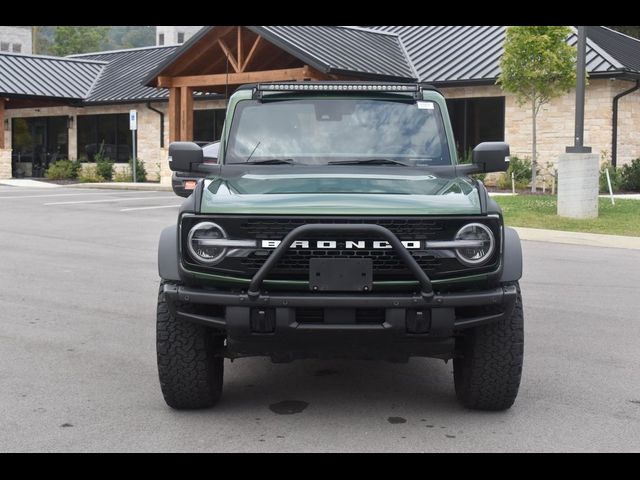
(341, 274)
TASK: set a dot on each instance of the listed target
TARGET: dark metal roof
(346, 50)
(120, 81)
(623, 48)
(330, 49)
(470, 54)
(50, 77)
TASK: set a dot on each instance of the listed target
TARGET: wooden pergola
(219, 61)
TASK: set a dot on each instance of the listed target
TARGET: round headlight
(477, 255)
(200, 244)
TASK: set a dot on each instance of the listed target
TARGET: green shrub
(104, 168)
(62, 170)
(89, 174)
(630, 174)
(141, 172)
(124, 176)
(521, 169)
(614, 174)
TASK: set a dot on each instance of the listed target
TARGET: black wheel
(190, 373)
(487, 375)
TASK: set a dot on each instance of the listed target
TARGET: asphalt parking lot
(78, 286)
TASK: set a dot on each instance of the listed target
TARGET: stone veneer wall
(556, 120)
(148, 146)
(5, 163)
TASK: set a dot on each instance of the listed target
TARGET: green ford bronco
(338, 223)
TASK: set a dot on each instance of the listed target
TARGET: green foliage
(631, 176)
(123, 176)
(78, 39)
(116, 37)
(141, 172)
(614, 173)
(89, 174)
(130, 37)
(62, 170)
(538, 64)
(522, 173)
(104, 168)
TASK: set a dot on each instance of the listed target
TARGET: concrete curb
(579, 238)
(123, 186)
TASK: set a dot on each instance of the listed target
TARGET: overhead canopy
(325, 50)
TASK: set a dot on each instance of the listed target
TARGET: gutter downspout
(161, 123)
(614, 123)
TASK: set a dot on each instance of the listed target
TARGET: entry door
(39, 156)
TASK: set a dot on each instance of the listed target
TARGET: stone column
(5, 163)
(165, 172)
(578, 175)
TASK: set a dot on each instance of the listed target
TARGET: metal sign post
(133, 126)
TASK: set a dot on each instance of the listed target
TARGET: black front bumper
(275, 324)
(359, 324)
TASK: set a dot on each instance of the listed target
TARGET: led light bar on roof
(336, 87)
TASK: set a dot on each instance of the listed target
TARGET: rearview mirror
(491, 157)
(183, 156)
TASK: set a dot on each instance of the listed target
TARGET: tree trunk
(534, 150)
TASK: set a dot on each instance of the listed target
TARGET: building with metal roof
(94, 92)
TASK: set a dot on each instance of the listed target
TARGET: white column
(578, 175)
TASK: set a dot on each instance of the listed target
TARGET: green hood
(380, 191)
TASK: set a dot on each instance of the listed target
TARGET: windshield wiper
(369, 161)
(272, 161)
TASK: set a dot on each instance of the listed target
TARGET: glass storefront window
(207, 125)
(37, 142)
(108, 134)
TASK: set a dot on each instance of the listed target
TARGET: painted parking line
(108, 200)
(147, 208)
(91, 193)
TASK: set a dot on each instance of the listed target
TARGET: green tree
(69, 40)
(537, 65)
(130, 37)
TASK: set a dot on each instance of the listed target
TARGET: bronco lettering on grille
(348, 244)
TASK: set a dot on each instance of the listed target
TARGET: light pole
(581, 73)
(578, 168)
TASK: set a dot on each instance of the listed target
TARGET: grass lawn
(539, 211)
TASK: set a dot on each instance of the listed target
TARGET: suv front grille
(384, 261)
(387, 265)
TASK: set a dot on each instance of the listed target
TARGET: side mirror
(491, 157)
(183, 156)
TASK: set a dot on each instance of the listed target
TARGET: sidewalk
(123, 186)
(578, 238)
(25, 182)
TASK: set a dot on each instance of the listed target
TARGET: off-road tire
(487, 375)
(190, 373)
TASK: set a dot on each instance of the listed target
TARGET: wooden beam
(239, 52)
(203, 50)
(227, 52)
(186, 114)
(194, 81)
(174, 114)
(2, 123)
(252, 52)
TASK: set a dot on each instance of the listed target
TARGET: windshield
(333, 131)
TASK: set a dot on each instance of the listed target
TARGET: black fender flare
(512, 265)
(168, 254)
